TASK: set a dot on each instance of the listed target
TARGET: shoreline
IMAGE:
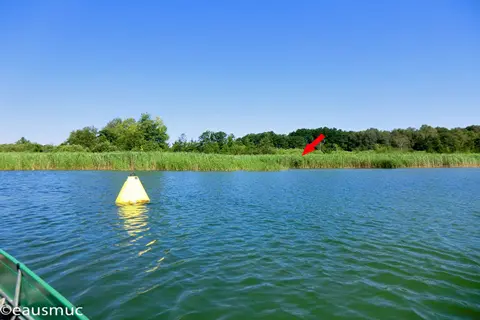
(170, 161)
(235, 170)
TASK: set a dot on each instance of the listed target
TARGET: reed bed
(220, 162)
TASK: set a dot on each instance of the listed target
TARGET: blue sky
(238, 66)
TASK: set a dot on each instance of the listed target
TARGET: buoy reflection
(135, 219)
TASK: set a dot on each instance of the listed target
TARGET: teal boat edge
(23, 291)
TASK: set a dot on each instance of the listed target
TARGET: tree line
(148, 134)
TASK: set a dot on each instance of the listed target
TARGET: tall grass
(220, 162)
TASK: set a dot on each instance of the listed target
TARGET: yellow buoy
(132, 192)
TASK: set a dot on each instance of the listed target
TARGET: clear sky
(238, 66)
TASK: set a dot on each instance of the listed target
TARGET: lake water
(310, 244)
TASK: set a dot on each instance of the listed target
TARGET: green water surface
(310, 244)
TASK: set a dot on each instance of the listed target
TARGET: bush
(104, 146)
(70, 148)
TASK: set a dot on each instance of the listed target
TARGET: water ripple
(366, 244)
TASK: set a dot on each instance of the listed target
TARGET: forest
(150, 134)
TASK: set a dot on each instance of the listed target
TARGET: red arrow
(311, 146)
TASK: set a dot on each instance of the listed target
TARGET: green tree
(154, 132)
(86, 137)
(400, 139)
(130, 138)
(220, 138)
(266, 145)
(296, 142)
(180, 144)
(22, 140)
(112, 131)
(426, 139)
(103, 145)
(208, 142)
(148, 134)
